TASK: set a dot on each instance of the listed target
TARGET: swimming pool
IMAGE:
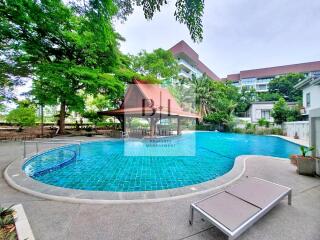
(147, 165)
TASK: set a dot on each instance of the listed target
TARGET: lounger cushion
(228, 209)
(257, 191)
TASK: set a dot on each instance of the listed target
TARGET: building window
(315, 74)
(264, 80)
(265, 114)
(248, 81)
(308, 99)
(262, 87)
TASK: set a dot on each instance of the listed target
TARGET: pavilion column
(152, 126)
(121, 120)
(179, 126)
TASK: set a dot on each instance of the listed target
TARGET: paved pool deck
(168, 219)
(302, 142)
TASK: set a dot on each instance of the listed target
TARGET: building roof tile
(183, 48)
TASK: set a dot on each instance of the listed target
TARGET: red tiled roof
(234, 77)
(274, 71)
(140, 90)
(184, 48)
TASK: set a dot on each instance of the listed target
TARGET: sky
(238, 35)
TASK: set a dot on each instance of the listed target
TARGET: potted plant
(7, 224)
(306, 165)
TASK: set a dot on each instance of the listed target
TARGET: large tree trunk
(62, 117)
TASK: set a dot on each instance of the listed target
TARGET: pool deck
(166, 219)
(293, 140)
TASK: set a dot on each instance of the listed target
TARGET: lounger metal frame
(243, 227)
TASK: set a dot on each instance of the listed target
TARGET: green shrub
(267, 124)
(280, 111)
(138, 123)
(202, 127)
(239, 130)
(92, 116)
(259, 131)
(250, 131)
(22, 116)
(276, 131)
(262, 122)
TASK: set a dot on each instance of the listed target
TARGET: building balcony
(184, 64)
(183, 74)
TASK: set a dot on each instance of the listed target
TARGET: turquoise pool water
(145, 165)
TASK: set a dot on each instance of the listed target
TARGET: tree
(9, 69)
(267, 96)
(214, 101)
(23, 115)
(159, 64)
(294, 114)
(244, 99)
(187, 12)
(222, 104)
(280, 111)
(284, 85)
(70, 50)
(201, 89)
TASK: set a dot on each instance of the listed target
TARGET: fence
(297, 129)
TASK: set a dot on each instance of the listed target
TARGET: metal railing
(55, 141)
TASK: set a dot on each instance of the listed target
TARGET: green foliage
(205, 127)
(262, 122)
(188, 12)
(305, 150)
(137, 123)
(7, 224)
(157, 64)
(293, 114)
(214, 100)
(22, 116)
(70, 51)
(267, 96)
(280, 111)
(258, 131)
(244, 99)
(251, 127)
(92, 116)
(6, 211)
(2, 107)
(284, 85)
(98, 102)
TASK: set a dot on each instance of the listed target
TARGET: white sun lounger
(237, 208)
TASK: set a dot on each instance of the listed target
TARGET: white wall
(255, 111)
(314, 97)
(317, 136)
(301, 128)
(314, 119)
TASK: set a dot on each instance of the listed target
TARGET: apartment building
(189, 62)
(259, 78)
(311, 93)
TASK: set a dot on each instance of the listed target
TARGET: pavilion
(151, 102)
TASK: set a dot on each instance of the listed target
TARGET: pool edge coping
(17, 179)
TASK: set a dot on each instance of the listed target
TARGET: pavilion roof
(142, 99)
